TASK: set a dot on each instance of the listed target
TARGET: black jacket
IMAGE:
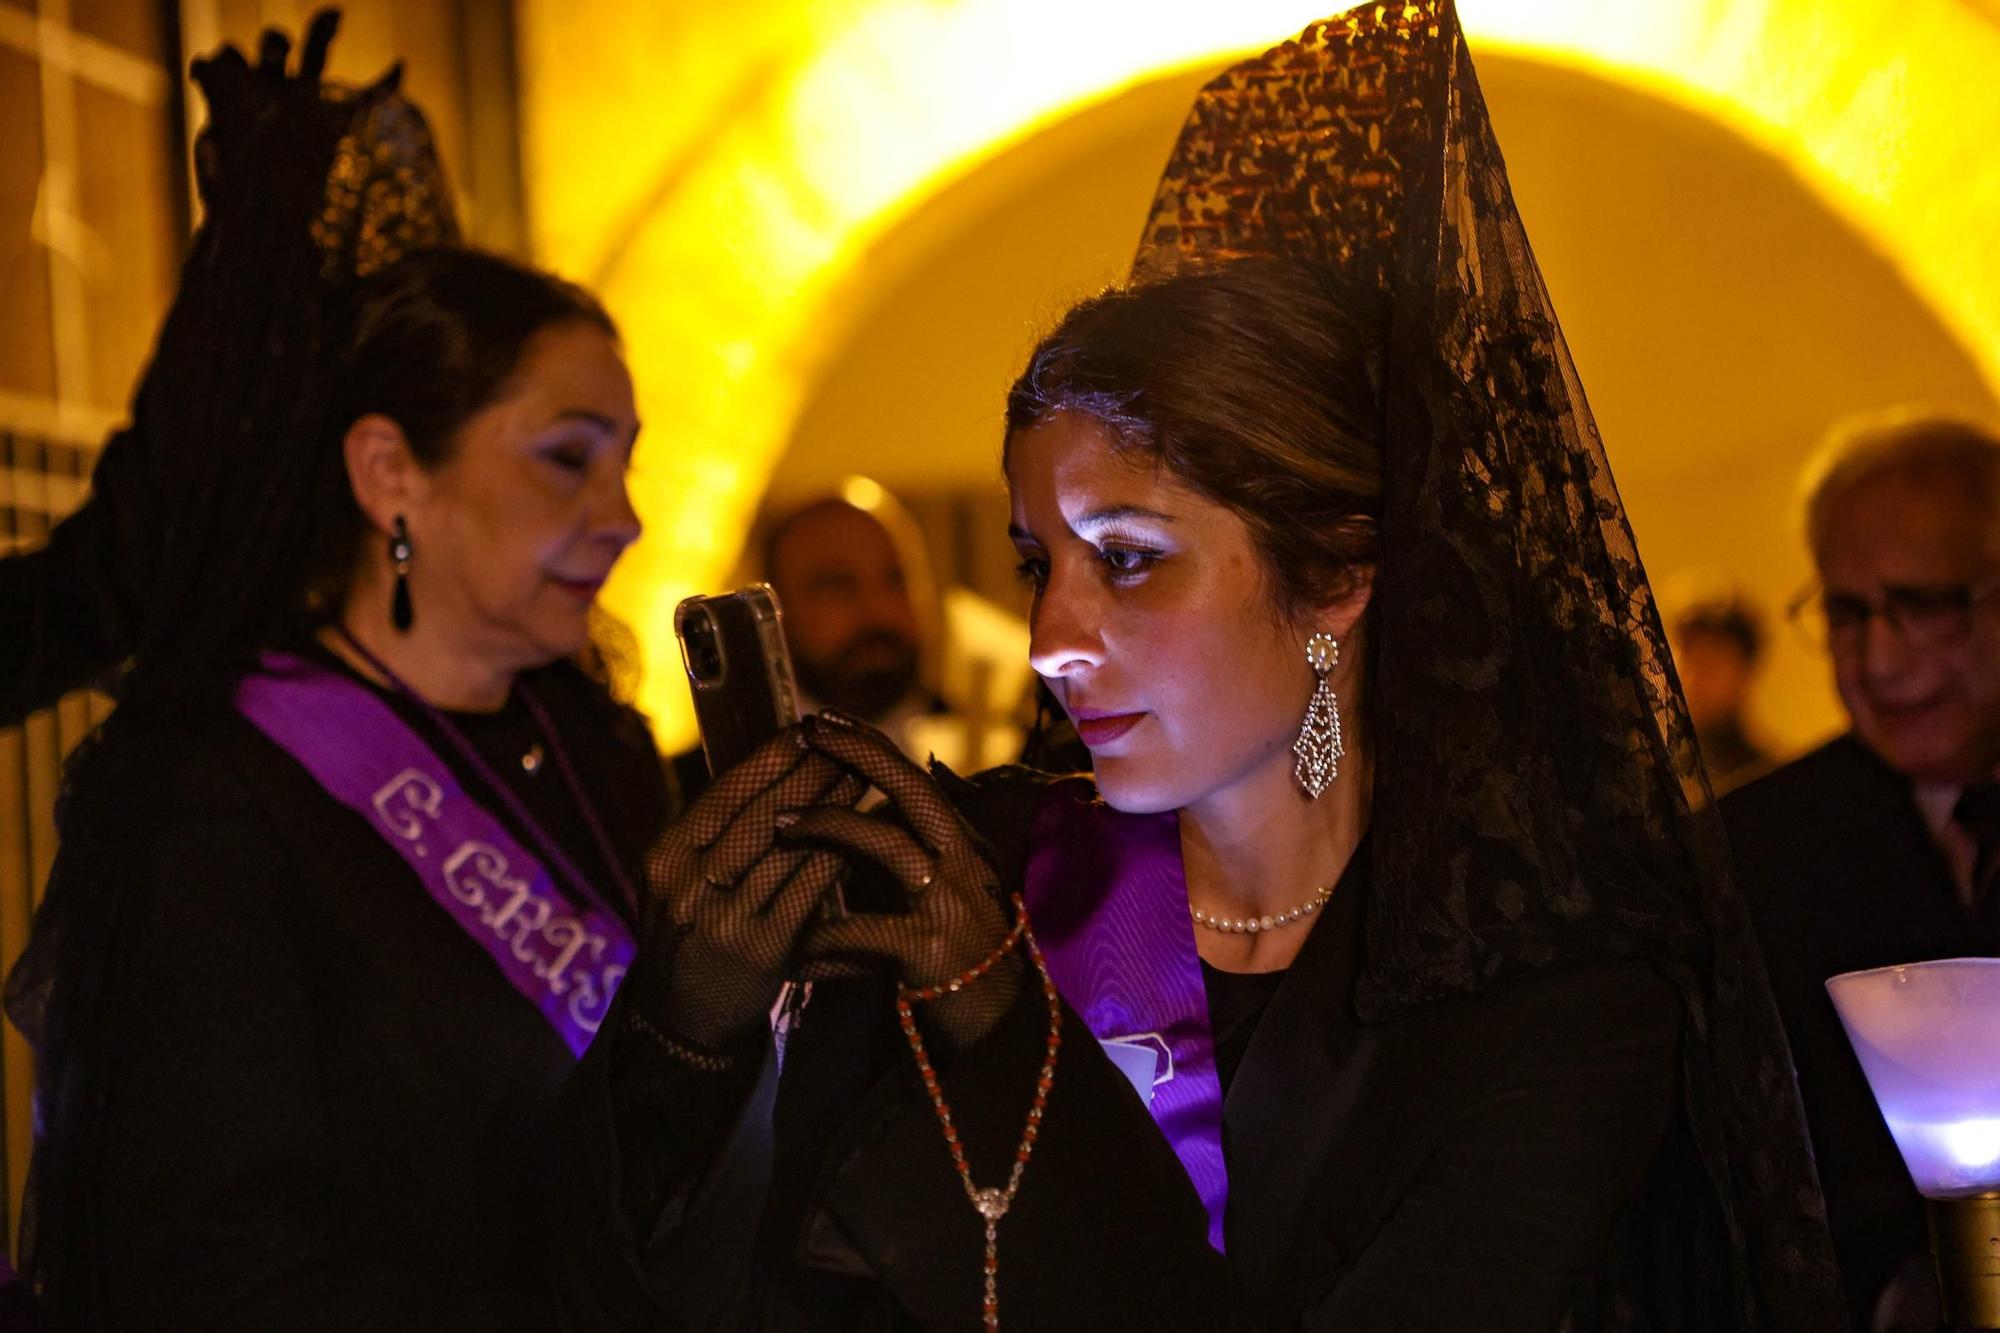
(1840, 874)
(1468, 1165)
(326, 1107)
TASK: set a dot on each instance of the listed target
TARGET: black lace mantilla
(362, 158)
(1533, 749)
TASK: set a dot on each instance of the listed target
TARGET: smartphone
(740, 671)
(733, 645)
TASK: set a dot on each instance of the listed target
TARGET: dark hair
(428, 343)
(1256, 385)
(432, 339)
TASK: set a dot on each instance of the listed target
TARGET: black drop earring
(400, 612)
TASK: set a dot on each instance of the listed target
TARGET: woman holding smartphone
(1381, 977)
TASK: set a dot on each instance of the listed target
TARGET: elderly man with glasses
(1883, 846)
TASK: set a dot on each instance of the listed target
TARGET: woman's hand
(955, 919)
(725, 906)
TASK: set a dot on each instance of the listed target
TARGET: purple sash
(565, 961)
(1109, 901)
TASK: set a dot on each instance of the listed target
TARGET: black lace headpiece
(307, 186)
(1532, 747)
(361, 161)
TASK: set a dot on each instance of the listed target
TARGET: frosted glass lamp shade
(1928, 1037)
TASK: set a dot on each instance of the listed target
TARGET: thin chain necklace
(1254, 925)
(992, 1202)
(558, 861)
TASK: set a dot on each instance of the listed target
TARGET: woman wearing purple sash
(345, 881)
(1382, 979)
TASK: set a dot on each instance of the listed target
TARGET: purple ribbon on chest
(565, 959)
(1109, 901)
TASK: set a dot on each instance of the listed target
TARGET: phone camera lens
(704, 649)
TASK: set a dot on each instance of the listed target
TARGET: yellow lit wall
(720, 171)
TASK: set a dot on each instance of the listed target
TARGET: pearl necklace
(1252, 925)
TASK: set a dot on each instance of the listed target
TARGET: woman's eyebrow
(1098, 518)
(597, 421)
(585, 415)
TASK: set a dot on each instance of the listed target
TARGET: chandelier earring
(1319, 746)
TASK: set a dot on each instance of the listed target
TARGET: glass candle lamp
(1928, 1038)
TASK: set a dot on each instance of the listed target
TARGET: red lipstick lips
(1095, 728)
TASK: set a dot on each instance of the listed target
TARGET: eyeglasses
(1921, 615)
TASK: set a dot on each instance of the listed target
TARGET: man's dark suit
(1841, 873)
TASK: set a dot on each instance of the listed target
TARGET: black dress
(1474, 1164)
(327, 1108)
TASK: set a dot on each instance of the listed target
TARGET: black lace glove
(725, 907)
(955, 917)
